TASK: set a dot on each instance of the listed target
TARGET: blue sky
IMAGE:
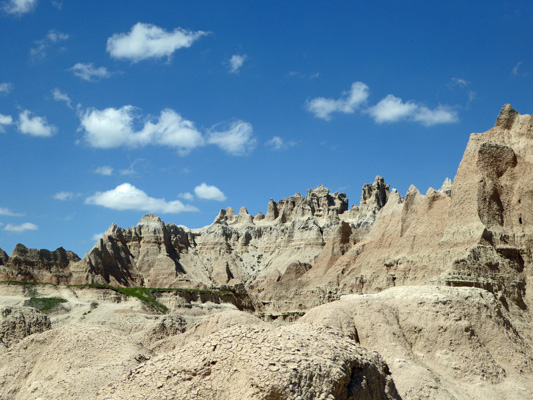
(109, 110)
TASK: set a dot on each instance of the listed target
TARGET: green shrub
(44, 304)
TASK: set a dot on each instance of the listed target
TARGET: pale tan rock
(18, 322)
(300, 361)
(440, 342)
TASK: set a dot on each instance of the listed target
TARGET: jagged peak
(506, 117)
(243, 211)
(151, 220)
(446, 187)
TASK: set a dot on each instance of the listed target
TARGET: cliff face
(307, 250)
(37, 265)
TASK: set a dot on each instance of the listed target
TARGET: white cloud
(131, 170)
(348, 103)
(236, 61)
(459, 82)
(19, 7)
(150, 41)
(104, 170)
(58, 95)
(128, 197)
(208, 192)
(27, 226)
(51, 37)
(9, 213)
(97, 236)
(89, 73)
(394, 109)
(6, 87)
(186, 196)
(5, 120)
(66, 196)
(277, 143)
(236, 139)
(34, 125)
(111, 128)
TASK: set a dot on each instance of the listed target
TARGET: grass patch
(148, 296)
(44, 304)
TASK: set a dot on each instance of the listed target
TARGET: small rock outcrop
(18, 322)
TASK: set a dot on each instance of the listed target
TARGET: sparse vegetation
(44, 304)
(148, 296)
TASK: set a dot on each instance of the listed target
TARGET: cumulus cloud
(112, 127)
(186, 196)
(19, 7)
(236, 138)
(27, 226)
(104, 170)
(5, 120)
(394, 109)
(33, 125)
(277, 143)
(88, 72)
(58, 95)
(150, 41)
(128, 197)
(236, 61)
(66, 196)
(9, 213)
(51, 38)
(348, 103)
(208, 192)
(6, 88)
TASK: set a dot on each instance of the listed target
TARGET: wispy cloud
(296, 74)
(33, 125)
(19, 7)
(186, 196)
(236, 61)
(97, 236)
(27, 226)
(5, 120)
(208, 192)
(128, 197)
(66, 196)
(236, 138)
(8, 213)
(516, 69)
(104, 170)
(6, 88)
(347, 103)
(131, 169)
(58, 95)
(88, 72)
(44, 44)
(146, 41)
(277, 143)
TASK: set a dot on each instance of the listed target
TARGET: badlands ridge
(418, 297)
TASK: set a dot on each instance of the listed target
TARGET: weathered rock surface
(440, 342)
(70, 362)
(18, 322)
(301, 361)
(34, 265)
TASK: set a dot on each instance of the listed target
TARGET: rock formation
(300, 361)
(18, 322)
(34, 265)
